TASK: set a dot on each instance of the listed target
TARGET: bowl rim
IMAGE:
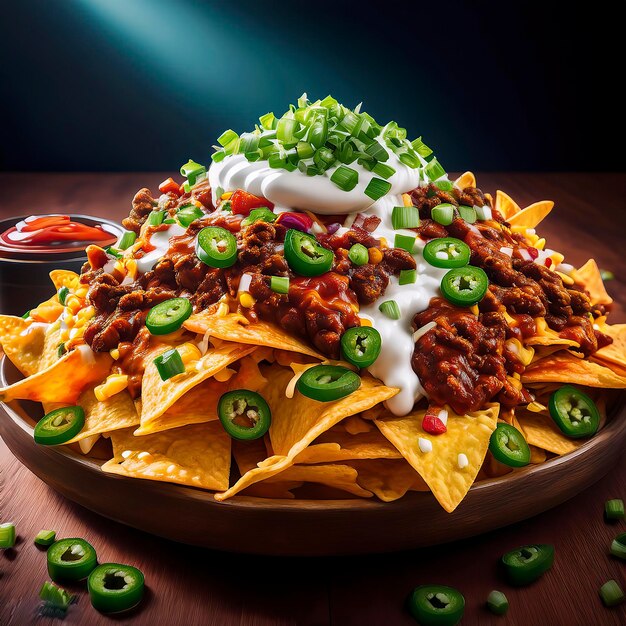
(613, 428)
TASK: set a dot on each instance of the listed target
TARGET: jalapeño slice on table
(216, 247)
(361, 345)
(59, 426)
(447, 252)
(508, 446)
(305, 255)
(465, 286)
(168, 316)
(574, 412)
(436, 605)
(526, 564)
(114, 588)
(244, 414)
(71, 559)
(328, 382)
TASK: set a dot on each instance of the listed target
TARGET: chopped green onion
(169, 364)
(323, 158)
(186, 187)
(127, 240)
(410, 160)
(377, 188)
(404, 241)
(497, 603)
(63, 293)
(607, 275)
(358, 254)
(305, 150)
(268, 121)
(285, 131)
(376, 151)
(113, 252)
(618, 547)
(611, 593)
(390, 309)
(444, 185)
(421, 148)
(60, 350)
(384, 170)
(249, 142)
(467, 213)
(279, 284)
(55, 596)
(407, 277)
(614, 509)
(483, 213)
(7, 535)
(319, 133)
(226, 206)
(405, 217)
(218, 156)
(345, 178)
(443, 214)
(26, 315)
(156, 218)
(45, 537)
(226, 137)
(188, 214)
(434, 170)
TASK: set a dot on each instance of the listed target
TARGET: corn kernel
(74, 304)
(246, 300)
(375, 256)
(223, 375)
(223, 310)
(568, 280)
(131, 266)
(474, 310)
(406, 199)
(540, 244)
(81, 292)
(227, 195)
(189, 352)
(112, 385)
(365, 321)
(115, 354)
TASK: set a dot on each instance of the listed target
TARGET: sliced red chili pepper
(432, 424)
(169, 185)
(548, 262)
(243, 202)
(299, 221)
(534, 253)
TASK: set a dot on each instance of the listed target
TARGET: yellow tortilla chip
(563, 367)
(64, 278)
(64, 380)
(532, 215)
(546, 336)
(355, 425)
(237, 328)
(158, 395)
(341, 477)
(22, 342)
(334, 445)
(589, 276)
(506, 206)
(298, 421)
(466, 179)
(466, 434)
(537, 455)
(615, 353)
(196, 455)
(541, 431)
(105, 416)
(388, 479)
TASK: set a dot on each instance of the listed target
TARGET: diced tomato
(169, 185)
(242, 202)
(548, 262)
(432, 424)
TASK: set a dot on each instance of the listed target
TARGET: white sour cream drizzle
(295, 190)
(161, 242)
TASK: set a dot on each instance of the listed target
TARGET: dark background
(146, 84)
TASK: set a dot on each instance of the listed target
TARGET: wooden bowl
(306, 527)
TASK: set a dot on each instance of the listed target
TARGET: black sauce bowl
(25, 276)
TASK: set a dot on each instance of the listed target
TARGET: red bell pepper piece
(169, 185)
(242, 202)
(432, 424)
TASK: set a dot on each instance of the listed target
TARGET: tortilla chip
(22, 342)
(466, 434)
(298, 421)
(279, 490)
(48, 311)
(355, 425)
(158, 395)
(614, 353)
(541, 431)
(237, 328)
(563, 367)
(196, 455)
(388, 479)
(64, 278)
(537, 455)
(546, 336)
(532, 215)
(334, 445)
(341, 477)
(589, 276)
(465, 180)
(105, 416)
(64, 380)
(506, 205)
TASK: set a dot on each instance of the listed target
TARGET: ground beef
(143, 203)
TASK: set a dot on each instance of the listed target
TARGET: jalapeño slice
(447, 252)
(59, 426)
(168, 316)
(188, 214)
(216, 247)
(574, 412)
(526, 564)
(508, 446)
(244, 414)
(465, 286)
(328, 382)
(71, 559)
(436, 605)
(361, 345)
(305, 255)
(114, 588)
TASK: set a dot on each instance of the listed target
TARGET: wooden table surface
(190, 586)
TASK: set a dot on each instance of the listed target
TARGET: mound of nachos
(324, 306)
